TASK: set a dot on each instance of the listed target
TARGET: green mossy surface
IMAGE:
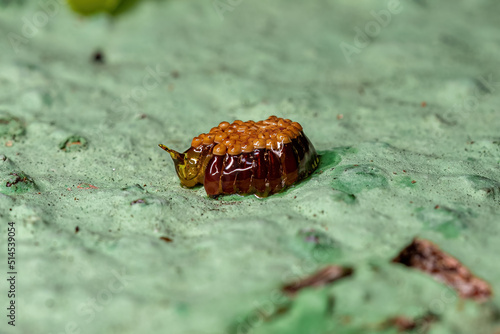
(11, 127)
(73, 143)
(89, 222)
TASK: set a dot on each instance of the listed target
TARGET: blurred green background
(400, 98)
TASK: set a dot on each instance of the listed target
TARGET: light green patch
(246, 61)
(182, 309)
(234, 197)
(404, 181)
(346, 150)
(482, 183)
(11, 127)
(489, 186)
(353, 179)
(134, 189)
(345, 197)
(47, 99)
(329, 159)
(310, 312)
(316, 246)
(449, 222)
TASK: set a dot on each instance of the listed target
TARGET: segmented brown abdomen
(250, 157)
(263, 171)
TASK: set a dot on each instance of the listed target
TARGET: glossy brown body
(262, 172)
(260, 158)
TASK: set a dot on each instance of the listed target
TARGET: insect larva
(250, 157)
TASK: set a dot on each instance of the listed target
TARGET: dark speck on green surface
(138, 201)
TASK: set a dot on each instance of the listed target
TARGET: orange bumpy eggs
(249, 157)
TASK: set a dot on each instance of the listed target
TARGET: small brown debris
(74, 143)
(77, 229)
(86, 186)
(404, 324)
(324, 276)
(413, 181)
(138, 201)
(340, 116)
(427, 257)
(19, 178)
(345, 319)
(436, 207)
(423, 104)
(166, 239)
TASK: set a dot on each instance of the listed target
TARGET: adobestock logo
(130, 101)
(33, 23)
(372, 29)
(90, 309)
(221, 7)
